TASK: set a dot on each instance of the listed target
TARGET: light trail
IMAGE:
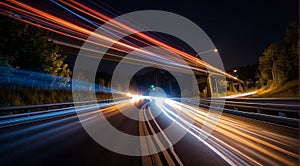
(170, 63)
(135, 61)
(249, 103)
(97, 25)
(159, 43)
(240, 95)
(64, 122)
(64, 27)
(166, 138)
(244, 142)
(183, 125)
(82, 30)
(29, 117)
(25, 78)
(236, 141)
(158, 140)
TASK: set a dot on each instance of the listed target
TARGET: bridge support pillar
(209, 86)
(241, 89)
(231, 86)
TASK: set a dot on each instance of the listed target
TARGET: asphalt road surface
(61, 140)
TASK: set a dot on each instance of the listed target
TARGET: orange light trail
(242, 137)
(67, 26)
(159, 43)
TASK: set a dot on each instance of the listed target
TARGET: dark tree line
(29, 47)
(279, 63)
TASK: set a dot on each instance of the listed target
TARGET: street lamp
(234, 73)
(152, 87)
(214, 50)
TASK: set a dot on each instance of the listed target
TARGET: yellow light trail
(242, 138)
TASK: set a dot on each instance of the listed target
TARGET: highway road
(235, 140)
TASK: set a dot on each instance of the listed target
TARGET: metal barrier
(284, 111)
(38, 109)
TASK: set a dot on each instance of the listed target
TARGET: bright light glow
(159, 101)
(135, 97)
(215, 50)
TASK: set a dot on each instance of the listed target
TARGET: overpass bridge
(204, 77)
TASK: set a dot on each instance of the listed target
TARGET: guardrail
(283, 111)
(25, 114)
(290, 105)
(31, 107)
(19, 111)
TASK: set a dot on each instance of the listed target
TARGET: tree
(269, 66)
(29, 47)
(4, 61)
(279, 63)
(246, 74)
(291, 43)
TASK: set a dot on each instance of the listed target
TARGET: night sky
(241, 30)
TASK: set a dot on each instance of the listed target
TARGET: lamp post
(208, 78)
(203, 52)
(235, 74)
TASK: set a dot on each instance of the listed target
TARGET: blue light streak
(30, 79)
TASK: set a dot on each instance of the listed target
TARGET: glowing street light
(152, 87)
(214, 50)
